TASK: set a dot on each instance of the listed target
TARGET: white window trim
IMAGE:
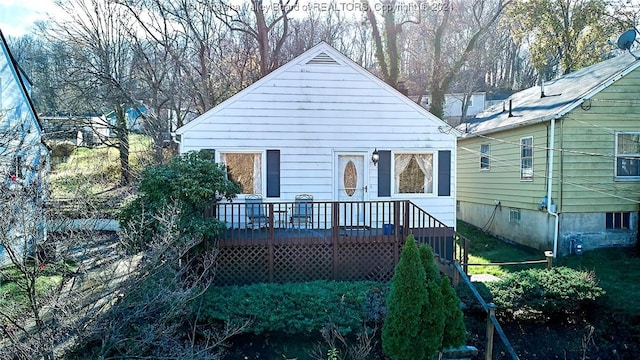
(434, 180)
(526, 179)
(487, 155)
(615, 159)
(263, 170)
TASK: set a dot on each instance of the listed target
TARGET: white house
(312, 126)
(453, 105)
(23, 161)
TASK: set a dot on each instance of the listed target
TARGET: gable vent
(322, 59)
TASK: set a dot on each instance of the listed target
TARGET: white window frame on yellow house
(485, 157)
(526, 161)
(627, 155)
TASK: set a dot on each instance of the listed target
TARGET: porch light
(375, 157)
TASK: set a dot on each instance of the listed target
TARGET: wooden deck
(365, 245)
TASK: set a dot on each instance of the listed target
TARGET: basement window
(617, 220)
(514, 216)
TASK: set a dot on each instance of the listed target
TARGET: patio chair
(255, 212)
(301, 217)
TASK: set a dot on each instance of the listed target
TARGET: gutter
(567, 108)
(550, 211)
(174, 138)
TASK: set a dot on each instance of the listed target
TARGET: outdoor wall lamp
(375, 157)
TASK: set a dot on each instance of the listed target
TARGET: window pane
(526, 158)
(246, 169)
(413, 173)
(484, 156)
(628, 167)
(628, 155)
(618, 220)
(628, 143)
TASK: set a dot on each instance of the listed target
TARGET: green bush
(191, 183)
(548, 293)
(62, 149)
(292, 308)
(403, 325)
(433, 311)
(455, 333)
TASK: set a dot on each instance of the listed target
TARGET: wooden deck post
(396, 232)
(335, 233)
(456, 274)
(492, 312)
(405, 220)
(270, 243)
(465, 266)
(549, 255)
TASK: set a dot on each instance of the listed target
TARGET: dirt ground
(596, 336)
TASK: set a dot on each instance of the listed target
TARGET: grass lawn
(92, 171)
(485, 249)
(12, 294)
(617, 269)
(88, 185)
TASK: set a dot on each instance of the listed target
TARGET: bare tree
(22, 235)
(100, 66)
(327, 24)
(150, 312)
(205, 64)
(387, 49)
(266, 23)
(450, 57)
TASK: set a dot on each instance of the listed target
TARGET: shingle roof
(561, 96)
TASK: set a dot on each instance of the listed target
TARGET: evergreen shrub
(292, 308)
(403, 324)
(191, 182)
(546, 293)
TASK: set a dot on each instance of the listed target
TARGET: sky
(17, 17)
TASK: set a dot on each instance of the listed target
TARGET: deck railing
(340, 240)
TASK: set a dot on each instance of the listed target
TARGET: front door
(351, 187)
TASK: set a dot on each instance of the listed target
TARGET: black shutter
(384, 173)
(444, 173)
(273, 173)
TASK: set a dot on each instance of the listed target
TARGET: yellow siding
(588, 141)
(502, 181)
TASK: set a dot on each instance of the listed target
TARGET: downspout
(552, 134)
(174, 138)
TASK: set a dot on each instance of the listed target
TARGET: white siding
(309, 112)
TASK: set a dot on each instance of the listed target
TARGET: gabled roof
(561, 96)
(21, 78)
(322, 54)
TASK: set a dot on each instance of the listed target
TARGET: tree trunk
(122, 134)
(262, 35)
(437, 101)
(391, 31)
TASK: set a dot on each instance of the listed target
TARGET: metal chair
(302, 216)
(255, 212)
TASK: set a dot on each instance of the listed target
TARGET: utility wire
(591, 186)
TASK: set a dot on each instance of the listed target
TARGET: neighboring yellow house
(588, 123)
